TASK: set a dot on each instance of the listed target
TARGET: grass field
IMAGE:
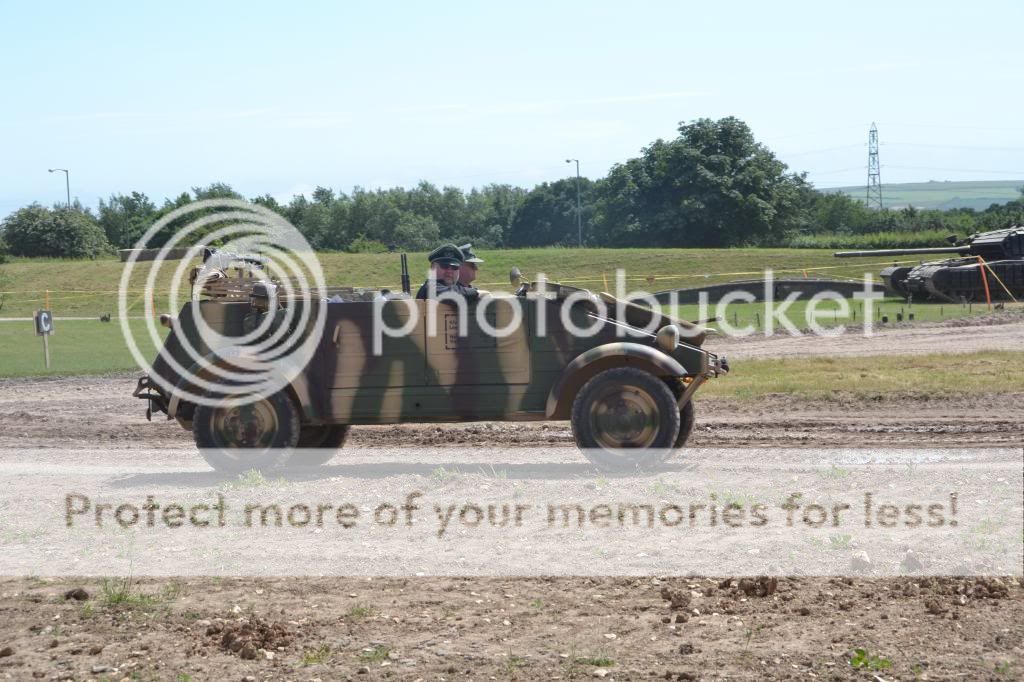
(942, 195)
(866, 377)
(89, 288)
(76, 347)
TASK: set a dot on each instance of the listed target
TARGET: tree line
(713, 185)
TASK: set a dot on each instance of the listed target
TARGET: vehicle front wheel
(626, 418)
(236, 438)
(686, 421)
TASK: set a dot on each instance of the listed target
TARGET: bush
(61, 233)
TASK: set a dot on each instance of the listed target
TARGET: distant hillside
(942, 195)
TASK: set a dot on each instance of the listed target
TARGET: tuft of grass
(123, 592)
(835, 472)
(320, 654)
(728, 498)
(374, 654)
(358, 612)
(600, 661)
(512, 663)
(253, 478)
(861, 658)
(839, 541)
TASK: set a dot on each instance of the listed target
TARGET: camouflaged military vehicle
(629, 399)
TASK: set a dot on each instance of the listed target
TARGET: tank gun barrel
(962, 250)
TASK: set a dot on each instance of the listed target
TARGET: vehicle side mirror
(515, 276)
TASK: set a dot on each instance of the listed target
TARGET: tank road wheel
(239, 438)
(322, 441)
(625, 418)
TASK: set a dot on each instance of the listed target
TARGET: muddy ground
(531, 628)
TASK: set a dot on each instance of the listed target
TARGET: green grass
(861, 658)
(873, 240)
(943, 195)
(374, 654)
(359, 612)
(89, 287)
(320, 654)
(937, 374)
(124, 592)
(76, 347)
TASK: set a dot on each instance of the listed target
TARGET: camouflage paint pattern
(436, 374)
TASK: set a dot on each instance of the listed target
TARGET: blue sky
(280, 97)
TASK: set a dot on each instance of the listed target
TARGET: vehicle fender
(608, 356)
(298, 388)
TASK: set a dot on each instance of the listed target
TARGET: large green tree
(547, 215)
(126, 217)
(714, 185)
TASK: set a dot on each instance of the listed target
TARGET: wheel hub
(624, 417)
(245, 426)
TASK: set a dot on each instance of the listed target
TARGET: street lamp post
(67, 181)
(579, 208)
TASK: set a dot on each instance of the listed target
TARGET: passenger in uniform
(445, 264)
(470, 264)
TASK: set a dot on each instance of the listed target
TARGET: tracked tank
(1000, 253)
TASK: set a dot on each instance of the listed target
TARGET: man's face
(467, 273)
(449, 274)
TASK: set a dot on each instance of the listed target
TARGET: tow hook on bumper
(723, 365)
(717, 365)
(148, 391)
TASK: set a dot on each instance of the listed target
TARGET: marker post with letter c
(44, 327)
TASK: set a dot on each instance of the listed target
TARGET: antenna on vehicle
(406, 285)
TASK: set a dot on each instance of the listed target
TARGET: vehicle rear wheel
(235, 438)
(317, 444)
(625, 418)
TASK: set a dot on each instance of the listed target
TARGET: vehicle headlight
(668, 338)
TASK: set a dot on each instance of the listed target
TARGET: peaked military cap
(468, 256)
(447, 254)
